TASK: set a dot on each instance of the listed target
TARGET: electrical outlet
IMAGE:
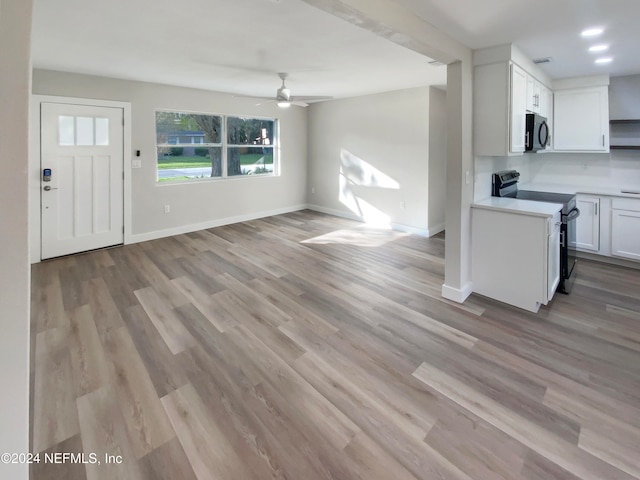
(313, 190)
(403, 205)
(167, 209)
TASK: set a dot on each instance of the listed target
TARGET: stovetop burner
(565, 199)
(505, 184)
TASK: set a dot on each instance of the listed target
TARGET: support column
(15, 88)
(459, 194)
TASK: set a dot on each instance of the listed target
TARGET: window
(249, 146)
(191, 146)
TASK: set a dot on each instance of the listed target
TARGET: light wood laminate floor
(305, 346)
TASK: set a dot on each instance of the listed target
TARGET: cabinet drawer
(631, 204)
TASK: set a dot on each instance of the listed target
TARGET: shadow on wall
(356, 172)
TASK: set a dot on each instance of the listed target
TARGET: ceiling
(239, 46)
(543, 28)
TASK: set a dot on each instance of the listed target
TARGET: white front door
(82, 203)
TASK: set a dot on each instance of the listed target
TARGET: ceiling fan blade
(297, 98)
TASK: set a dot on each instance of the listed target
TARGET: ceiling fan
(285, 99)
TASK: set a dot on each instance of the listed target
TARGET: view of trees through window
(199, 146)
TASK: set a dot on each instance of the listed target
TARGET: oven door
(568, 258)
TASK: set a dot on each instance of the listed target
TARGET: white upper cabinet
(545, 103)
(499, 110)
(581, 120)
(534, 94)
(518, 109)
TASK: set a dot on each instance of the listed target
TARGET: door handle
(47, 188)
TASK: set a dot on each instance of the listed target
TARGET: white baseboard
(436, 229)
(423, 232)
(143, 237)
(458, 295)
(335, 213)
(621, 262)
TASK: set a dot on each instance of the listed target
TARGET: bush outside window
(197, 146)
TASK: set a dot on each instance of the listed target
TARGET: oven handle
(573, 214)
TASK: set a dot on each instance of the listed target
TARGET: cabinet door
(581, 119)
(518, 109)
(588, 224)
(544, 98)
(625, 234)
(533, 94)
(553, 260)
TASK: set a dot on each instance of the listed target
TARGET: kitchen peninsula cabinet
(516, 251)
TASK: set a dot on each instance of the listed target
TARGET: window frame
(224, 145)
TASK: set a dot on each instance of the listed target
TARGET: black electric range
(505, 184)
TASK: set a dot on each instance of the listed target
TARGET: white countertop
(562, 188)
(515, 205)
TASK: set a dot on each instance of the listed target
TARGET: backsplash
(619, 169)
(485, 166)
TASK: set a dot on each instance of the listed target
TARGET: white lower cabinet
(625, 228)
(516, 256)
(587, 224)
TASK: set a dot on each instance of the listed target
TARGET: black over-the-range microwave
(537, 136)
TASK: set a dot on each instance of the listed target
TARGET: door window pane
(102, 131)
(66, 131)
(84, 126)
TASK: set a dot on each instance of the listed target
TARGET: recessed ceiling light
(599, 48)
(604, 60)
(592, 32)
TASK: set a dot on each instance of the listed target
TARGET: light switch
(136, 163)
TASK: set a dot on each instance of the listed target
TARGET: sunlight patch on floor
(364, 236)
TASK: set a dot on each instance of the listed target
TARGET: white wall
(15, 80)
(369, 158)
(437, 159)
(199, 204)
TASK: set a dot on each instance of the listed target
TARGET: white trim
(458, 295)
(34, 164)
(621, 262)
(194, 227)
(436, 229)
(335, 213)
(422, 232)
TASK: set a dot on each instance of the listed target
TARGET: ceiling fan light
(284, 103)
